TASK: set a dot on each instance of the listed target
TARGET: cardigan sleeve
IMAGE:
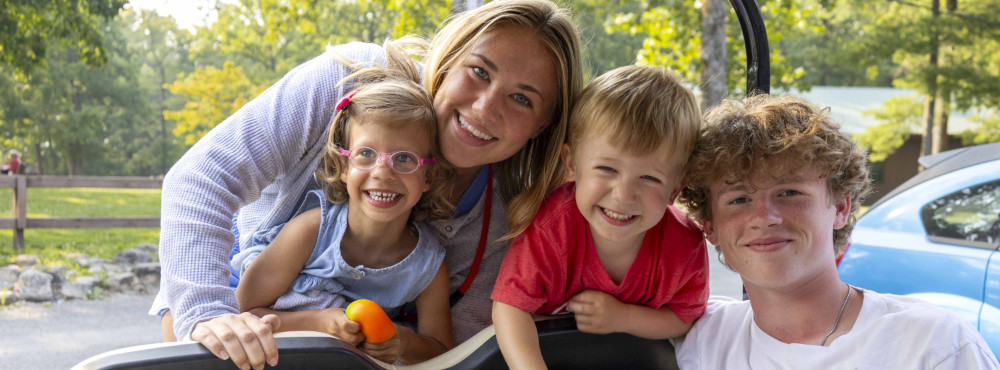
(258, 145)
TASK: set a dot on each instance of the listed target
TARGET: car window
(971, 214)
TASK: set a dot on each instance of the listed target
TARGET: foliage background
(103, 89)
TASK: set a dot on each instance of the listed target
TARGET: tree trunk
(940, 138)
(163, 120)
(943, 110)
(38, 158)
(713, 53)
(927, 142)
(74, 161)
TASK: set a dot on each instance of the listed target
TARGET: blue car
(936, 236)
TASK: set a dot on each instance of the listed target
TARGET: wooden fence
(21, 183)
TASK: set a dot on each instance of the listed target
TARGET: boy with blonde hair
(609, 246)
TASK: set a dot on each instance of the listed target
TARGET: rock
(89, 280)
(130, 271)
(8, 297)
(25, 260)
(58, 273)
(58, 278)
(80, 288)
(148, 273)
(86, 261)
(130, 257)
(123, 282)
(34, 285)
(8, 276)
(103, 266)
(148, 248)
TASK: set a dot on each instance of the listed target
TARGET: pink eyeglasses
(366, 158)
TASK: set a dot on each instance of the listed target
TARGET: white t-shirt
(892, 332)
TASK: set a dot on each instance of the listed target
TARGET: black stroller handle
(755, 40)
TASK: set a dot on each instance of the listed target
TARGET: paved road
(62, 334)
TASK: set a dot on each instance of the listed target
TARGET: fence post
(20, 212)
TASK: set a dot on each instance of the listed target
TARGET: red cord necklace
(482, 241)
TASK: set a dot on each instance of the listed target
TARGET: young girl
(364, 239)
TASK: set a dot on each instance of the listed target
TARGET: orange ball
(374, 323)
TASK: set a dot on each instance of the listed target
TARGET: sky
(188, 13)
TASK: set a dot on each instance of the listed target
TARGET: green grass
(56, 245)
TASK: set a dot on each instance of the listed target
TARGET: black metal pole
(755, 39)
(758, 56)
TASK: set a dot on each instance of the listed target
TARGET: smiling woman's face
(495, 98)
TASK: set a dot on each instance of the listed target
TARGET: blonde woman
(502, 78)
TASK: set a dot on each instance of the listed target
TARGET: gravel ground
(61, 334)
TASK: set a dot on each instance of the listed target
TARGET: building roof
(848, 104)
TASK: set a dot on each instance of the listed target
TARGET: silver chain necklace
(839, 314)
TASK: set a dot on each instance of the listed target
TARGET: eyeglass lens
(367, 158)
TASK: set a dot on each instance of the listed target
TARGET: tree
(833, 56)
(900, 117)
(79, 118)
(254, 42)
(420, 17)
(219, 93)
(604, 49)
(14, 112)
(713, 52)
(988, 131)
(673, 38)
(948, 54)
(162, 51)
(28, 27)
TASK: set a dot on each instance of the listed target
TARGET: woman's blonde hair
(391, 92)
(524, 178)
(739, 139)
(638, 109)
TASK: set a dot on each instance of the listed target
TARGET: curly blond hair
(739, 138)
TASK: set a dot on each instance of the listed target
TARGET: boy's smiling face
(622, 194)
(778, 231)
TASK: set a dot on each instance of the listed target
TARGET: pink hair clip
(346, 100)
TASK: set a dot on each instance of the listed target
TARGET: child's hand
(339, 326)
(596, 312)
(388, 351)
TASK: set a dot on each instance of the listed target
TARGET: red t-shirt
(555, 258)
